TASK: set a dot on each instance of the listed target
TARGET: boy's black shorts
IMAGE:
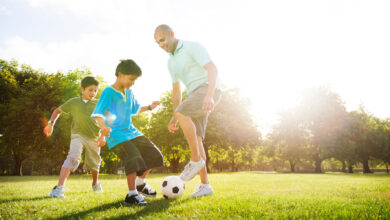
(139, 155)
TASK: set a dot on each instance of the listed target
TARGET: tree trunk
(387, 168)
(366, 168)
(206, 150)
(174, 165)
(350, 168)
(344, 169)
(292, 166)
(318, 166)
(17, 166)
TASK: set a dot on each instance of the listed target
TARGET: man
(190, 63)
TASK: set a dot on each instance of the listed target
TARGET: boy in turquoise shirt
(113, 113)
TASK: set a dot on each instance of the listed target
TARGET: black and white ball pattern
(172, 187)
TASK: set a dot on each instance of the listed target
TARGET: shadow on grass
(28, 199)
(156, 205)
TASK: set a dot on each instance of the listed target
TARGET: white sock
(139, 181)
(132, 192)
(206, 185)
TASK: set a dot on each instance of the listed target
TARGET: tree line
(317, 132)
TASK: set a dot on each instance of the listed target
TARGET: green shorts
(138, 155)
(192, 107)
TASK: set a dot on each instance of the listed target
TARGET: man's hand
(101, 141)
(172, 125)
(154, 104)
(208, 104)
(48, 130)
(105, 131)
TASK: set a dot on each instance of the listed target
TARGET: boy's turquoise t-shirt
(117, 108)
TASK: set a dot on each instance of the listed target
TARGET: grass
(244, 195)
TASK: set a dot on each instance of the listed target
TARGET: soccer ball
(172, 187)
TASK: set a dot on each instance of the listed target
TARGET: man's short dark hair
(89, 80)
(128, 67)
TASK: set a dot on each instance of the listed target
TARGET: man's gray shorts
(192, 107)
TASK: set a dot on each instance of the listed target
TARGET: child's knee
(72, 163)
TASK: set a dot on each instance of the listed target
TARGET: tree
(231, 128)
(365, 133)
(172, 145)
(289, 138)
(322, 113)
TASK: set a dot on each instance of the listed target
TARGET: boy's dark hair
(89, 80)
(128, 67)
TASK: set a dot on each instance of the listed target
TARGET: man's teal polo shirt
(186, 64)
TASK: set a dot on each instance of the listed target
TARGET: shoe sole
(60, 197)
(208, 194)
(133, 204)
(185, 180)
(146, 195)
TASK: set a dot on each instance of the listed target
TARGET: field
(243, 195)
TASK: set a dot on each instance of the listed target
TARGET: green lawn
(244, 195)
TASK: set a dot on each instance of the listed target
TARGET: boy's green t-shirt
(82, 122)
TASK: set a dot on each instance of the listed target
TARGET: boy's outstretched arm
(48, 130)
(150, 107)
(104, 131)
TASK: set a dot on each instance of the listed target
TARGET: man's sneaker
(57, 192)
(146, 190)
(191, 169)
(203, 190)
(97, 188)
(135, 199)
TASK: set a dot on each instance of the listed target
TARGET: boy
(113, 113)
(190, 63)
(85, 132)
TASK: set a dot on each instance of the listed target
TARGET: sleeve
(103, 105)
(67, 106)
(135, 106)
(172, 72)
(199, 53)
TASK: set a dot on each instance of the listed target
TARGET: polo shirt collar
(178, 47)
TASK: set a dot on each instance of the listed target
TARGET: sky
(271, 50)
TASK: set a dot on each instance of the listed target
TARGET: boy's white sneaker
(97, 188)
(203, 190)
(57, 192)
(191, 169)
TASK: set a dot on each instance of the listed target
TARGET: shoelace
(139, 197)
(147, 187)
(64, 188)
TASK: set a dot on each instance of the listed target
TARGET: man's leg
(189, 131)
(205, 188)
(203, 172)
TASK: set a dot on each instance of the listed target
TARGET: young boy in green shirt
(85, 133)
